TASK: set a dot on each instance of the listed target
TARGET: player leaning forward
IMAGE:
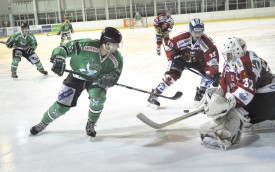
(246, 94)
(100, 61)
(24, 44)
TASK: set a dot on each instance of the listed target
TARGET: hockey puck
(185, 111)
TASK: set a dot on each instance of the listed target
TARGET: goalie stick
(175, 97)
(154, 125)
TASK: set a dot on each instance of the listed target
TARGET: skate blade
(152, 105)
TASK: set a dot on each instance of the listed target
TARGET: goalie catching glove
(59, 66)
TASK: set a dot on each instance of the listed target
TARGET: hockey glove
(164, 27)
(216, 78)
(29, 50)
(108, 80)
(59, 66)
(9, 44)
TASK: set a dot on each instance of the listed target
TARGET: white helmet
(233, 49)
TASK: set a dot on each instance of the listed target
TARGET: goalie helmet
(233, 49)
(110, 34)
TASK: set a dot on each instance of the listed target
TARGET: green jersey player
(65, 30)
(24, 44)
(99, 61)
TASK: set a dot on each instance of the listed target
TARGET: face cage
(228, 56)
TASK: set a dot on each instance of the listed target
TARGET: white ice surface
(124, 143)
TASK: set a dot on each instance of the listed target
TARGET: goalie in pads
(246, 95)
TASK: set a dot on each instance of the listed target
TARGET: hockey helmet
(196, 28)
(167, 11)
(24, 25)
(233, 49)
(196, 25)
(110, 34)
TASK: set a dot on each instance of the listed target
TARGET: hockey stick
(175, 97)
(49, 34)
(154, 125)
(204, 76)
(3, 42)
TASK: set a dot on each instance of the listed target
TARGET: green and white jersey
(85, 59)
(23, 42)
(66, 27)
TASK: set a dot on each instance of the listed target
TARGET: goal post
(131, 23)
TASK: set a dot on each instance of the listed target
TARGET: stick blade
(147, 121)
(177, 95)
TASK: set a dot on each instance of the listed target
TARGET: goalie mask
(233, 49)
(196, 28)
(24, 28)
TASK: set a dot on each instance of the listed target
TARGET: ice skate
(43, 72)
(153, 100)
(90, 129)
(38, 128)
(14, 75)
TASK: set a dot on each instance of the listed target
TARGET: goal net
(135, 24)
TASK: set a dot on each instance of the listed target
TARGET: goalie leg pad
(223, 132)
(265, 125)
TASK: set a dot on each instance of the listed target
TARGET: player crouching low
(24, 44)
(246, 94)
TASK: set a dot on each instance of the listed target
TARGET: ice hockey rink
(123, 142)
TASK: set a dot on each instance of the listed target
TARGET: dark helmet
(24, 25)
(196, 25)
(110, 34)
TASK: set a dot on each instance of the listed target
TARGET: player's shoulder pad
(183, 35)
(207, 40)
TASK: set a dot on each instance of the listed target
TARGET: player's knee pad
(34, 59)
(158, 30)
(165, 36)
(97, 99)
(170, 78)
